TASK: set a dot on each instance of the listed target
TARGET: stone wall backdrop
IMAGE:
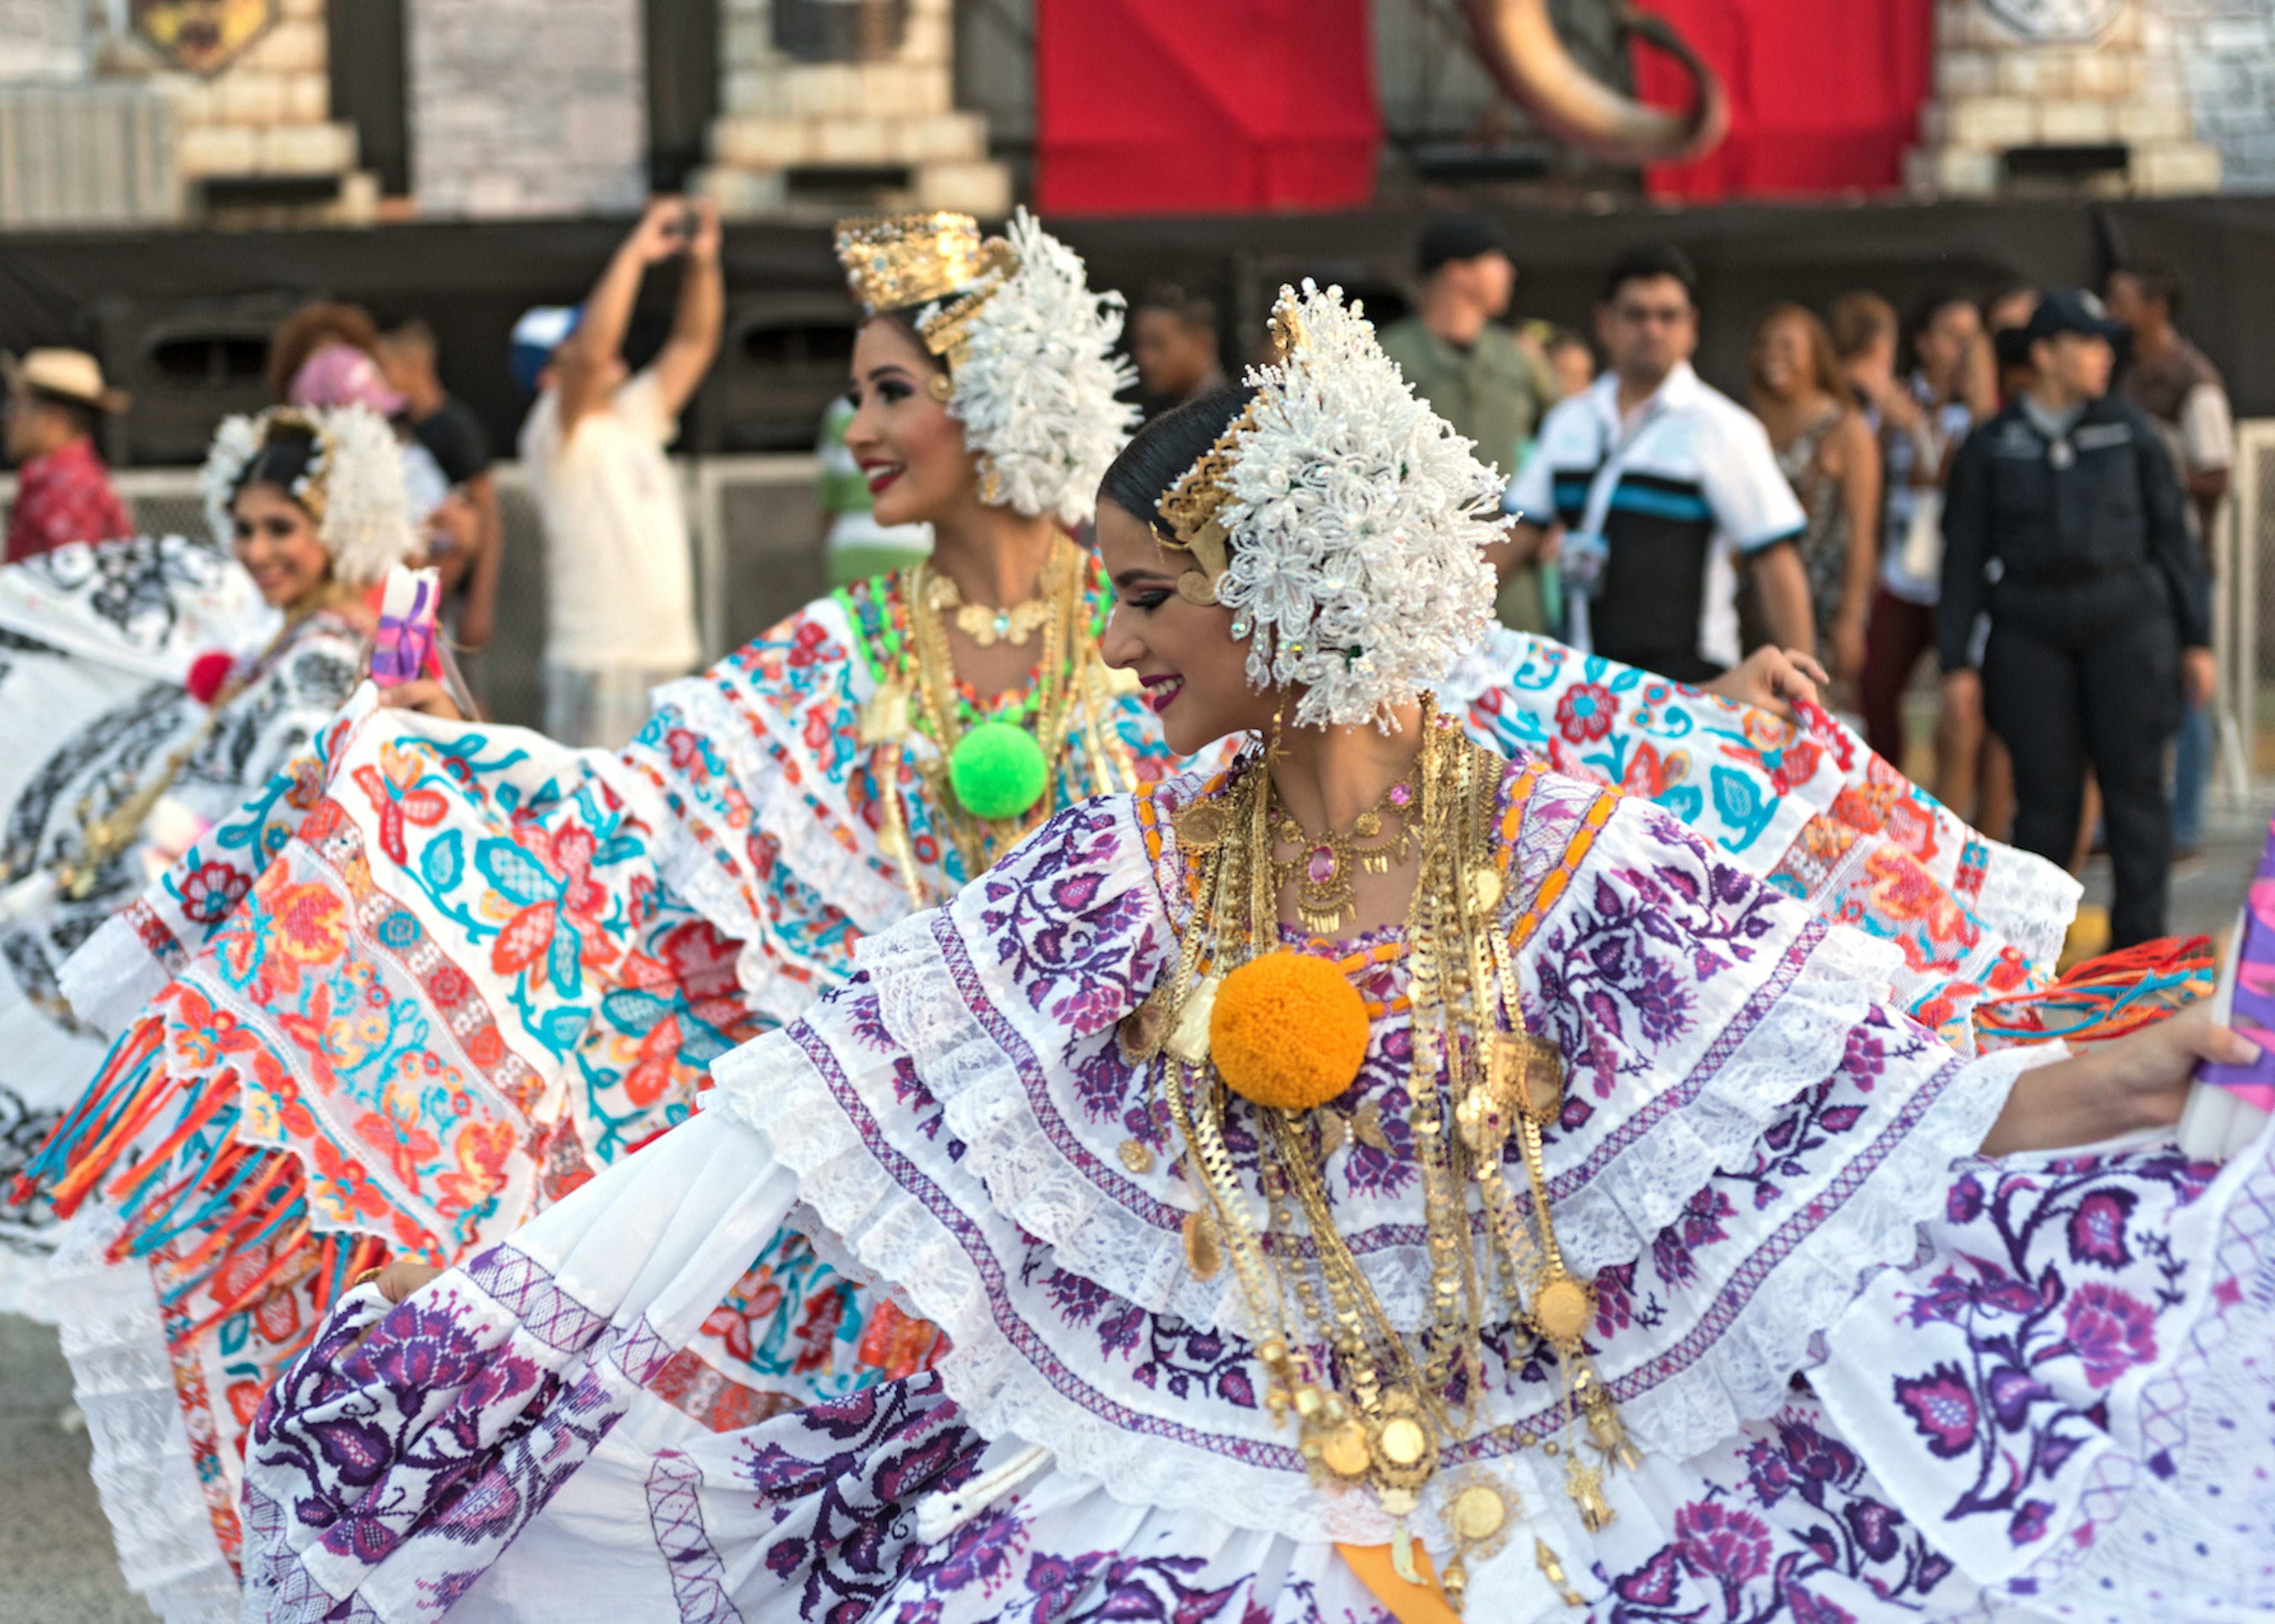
(527, 107)
(2226, 48)
(831, 106)
(42, 40)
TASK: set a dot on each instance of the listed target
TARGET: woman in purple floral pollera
(1376, 1177)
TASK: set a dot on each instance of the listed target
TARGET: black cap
(1464, 237)
(2071, 310)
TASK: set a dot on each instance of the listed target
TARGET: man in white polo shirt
(1659, 488)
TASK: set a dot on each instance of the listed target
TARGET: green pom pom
(998, 771)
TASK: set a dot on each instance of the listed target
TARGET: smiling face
(909, 448)
(1183, 654)
(1783, 364)
(276, 541)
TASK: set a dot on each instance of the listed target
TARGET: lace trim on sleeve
(1764, 1320)
(753, 755)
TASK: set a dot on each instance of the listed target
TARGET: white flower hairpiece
(352, 486)
(1036, 382)
(1350, 520)
(1032, 375)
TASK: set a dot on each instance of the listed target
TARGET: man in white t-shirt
(1658, 484)
(619, 582)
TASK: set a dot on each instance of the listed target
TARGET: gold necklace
(1382, 1421)
(1327, 865)
(920, 693)
(987, 627)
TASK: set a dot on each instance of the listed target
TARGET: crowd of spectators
(2018, 484)
(2021, 484)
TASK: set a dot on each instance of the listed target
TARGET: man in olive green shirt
(1470, 369)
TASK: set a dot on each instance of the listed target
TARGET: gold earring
(941, 387)
(1194, 587)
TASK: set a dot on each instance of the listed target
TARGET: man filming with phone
(621, 615)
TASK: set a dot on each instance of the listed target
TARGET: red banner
(1823, 97)
(1194, 106)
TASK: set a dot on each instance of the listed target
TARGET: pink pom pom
(208, 673)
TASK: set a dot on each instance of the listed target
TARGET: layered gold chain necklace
(988, 778)
(1378, 1408)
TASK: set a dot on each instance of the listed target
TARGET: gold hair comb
(1191, 508)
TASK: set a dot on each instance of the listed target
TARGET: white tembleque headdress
(1341, 520)
(353, 486)
(1029, 348)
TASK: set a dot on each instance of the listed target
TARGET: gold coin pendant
(1345, 1450)
(1403, 1441)
(1201, 826)
(1563, 1309)
(1137, 1157)
(1201, 1254)
(1477, 1513)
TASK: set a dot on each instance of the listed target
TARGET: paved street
(56, 1564)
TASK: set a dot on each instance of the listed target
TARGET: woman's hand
(1771, 678)
(424, 695)
(2136, 1082)
(397, 1281)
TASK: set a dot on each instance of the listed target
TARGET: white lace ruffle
(995, 1370)
(1610, 1218)
(769, 1086)
(1133, 1246)
(807, 815)
(1030, 1179)
(124, 1382)
(2029, 901)
(1774, 1331)
(112, 977)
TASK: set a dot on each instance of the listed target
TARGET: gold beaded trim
(1191, 508)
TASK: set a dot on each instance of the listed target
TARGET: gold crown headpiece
(900, 261)
(1191, 508)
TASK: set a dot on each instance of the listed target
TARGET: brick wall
(2226, 48)
(896, 113)
(527, 107)
(42, 40)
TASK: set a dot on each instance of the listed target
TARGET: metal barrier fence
(754, 533)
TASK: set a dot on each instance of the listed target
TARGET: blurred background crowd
(1724, 290)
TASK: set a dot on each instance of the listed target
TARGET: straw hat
(67, 375)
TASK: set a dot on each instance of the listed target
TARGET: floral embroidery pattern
(2047, 1294)
(1789, 1525)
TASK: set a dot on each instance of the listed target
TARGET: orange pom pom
(1288, 1030)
